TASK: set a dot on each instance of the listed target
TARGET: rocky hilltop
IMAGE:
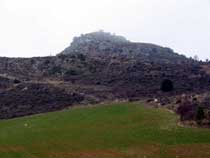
(97, 67)
(107, 44)
(95, 42)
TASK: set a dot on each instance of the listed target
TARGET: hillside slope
(97, 67)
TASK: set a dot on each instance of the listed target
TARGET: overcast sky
(43, 27)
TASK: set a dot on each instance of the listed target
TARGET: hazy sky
(44, 27)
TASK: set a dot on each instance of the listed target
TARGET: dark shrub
(55, 70)
(46, 62)
(186, 110)
(71, 72)
(32, 61)
(200, 115)
(167, 86)
(82, 57)
(16, 81)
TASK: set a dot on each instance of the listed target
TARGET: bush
(55, 70)
(82, 57)
(167, 86)
(186, 110)
(71, 73)
(16, 81)
(200, 115)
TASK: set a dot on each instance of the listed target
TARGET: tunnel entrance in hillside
(167, 85)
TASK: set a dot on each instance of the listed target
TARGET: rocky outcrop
(106, 44)
(96, 41)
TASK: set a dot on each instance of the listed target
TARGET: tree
(16, 81)
(167, 85)
(185, 110)
(81, 57)
(200, 115)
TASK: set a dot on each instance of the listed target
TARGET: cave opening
(167, 85)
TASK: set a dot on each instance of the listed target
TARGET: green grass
(125, 130)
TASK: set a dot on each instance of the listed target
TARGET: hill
(95, 68)
(122, 130)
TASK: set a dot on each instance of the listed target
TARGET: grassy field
(126, 130)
